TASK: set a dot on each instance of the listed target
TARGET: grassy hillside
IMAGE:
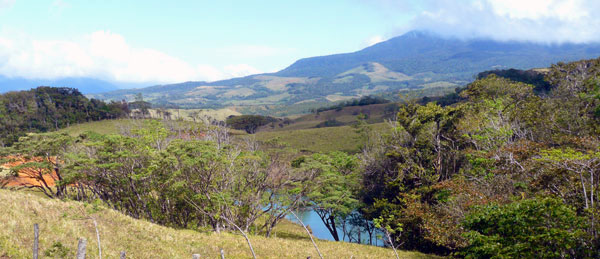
(62, 222)
(298, 137)
(102, 127)
(343, 138)
(187, 114)
(376, 113)
(118, 126)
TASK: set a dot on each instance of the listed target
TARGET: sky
(151, 42)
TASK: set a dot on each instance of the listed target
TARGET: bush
(249, 123)
(58, 250)
(535, 228)
(329, 123)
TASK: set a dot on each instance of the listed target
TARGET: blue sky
(173, 41)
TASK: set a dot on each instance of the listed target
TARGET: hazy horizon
(147, 43)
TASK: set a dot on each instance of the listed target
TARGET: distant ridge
(415, 60)
(83, 84)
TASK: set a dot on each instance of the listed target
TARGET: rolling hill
(63, 222)
(415, 60)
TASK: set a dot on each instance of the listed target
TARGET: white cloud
(374, 40)
(240, 70)
(538, 9)
(5, 4)
(104, 55)
(550, 21)
(58, 6)
(253, 51)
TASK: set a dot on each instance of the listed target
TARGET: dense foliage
(48, 108)
(176, 174)
(532, 77)
(503, 141)
(535, 228)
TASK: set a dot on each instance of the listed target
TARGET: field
(342, 138)
(101, 127)
(301, 135)
(297, 137)
(63, 222)
(376, 113)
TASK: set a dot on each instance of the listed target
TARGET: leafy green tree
(399, 170)
(249, 123)
(534, 228)
(183, 182)
(42, 155)
(333, 195)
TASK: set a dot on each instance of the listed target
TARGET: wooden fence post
(123, 255)
(98, 238)
(196, 256)
(81, 248)
(36, 240)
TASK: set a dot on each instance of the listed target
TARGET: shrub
(249, 123)
(534, 228)
(329, 123)
(58, 250)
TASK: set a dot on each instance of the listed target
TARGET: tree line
(180, 174)
(50, 108)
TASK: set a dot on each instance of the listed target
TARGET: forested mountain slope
(48, 108)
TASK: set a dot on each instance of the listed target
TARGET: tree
(533, 228)
(45, 109)
(40, 158)
(335, 185)
(582, 167)
(249, 123)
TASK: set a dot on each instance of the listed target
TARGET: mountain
(416, 61)
(83, 84)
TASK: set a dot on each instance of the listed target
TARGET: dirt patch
(28, 177)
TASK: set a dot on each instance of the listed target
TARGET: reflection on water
(312, 220)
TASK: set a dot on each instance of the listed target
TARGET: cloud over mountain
(101, 54)
(548, 21)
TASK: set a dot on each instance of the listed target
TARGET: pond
(312, 220)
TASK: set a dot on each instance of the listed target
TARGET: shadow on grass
(294, 236)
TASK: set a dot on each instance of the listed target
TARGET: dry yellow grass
(101, 127)
(219, 114)
(66, 221)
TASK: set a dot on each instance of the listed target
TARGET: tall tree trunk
(333, 229)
